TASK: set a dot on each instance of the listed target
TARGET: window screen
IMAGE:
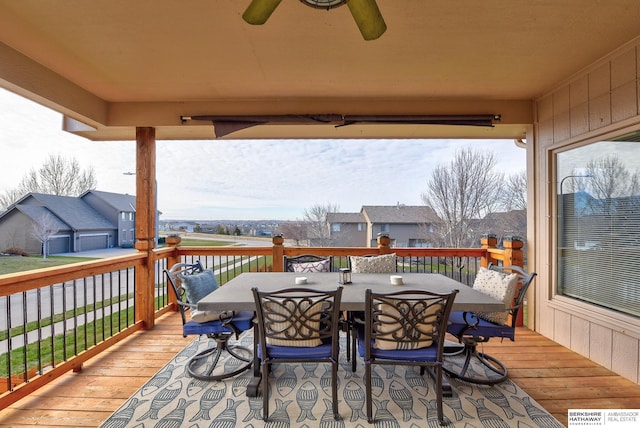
(598, 227)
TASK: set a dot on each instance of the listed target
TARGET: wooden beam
(145, 222)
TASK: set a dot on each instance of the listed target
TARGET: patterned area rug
(301, 397)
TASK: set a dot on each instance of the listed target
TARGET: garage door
(93, 242)
(59, 244)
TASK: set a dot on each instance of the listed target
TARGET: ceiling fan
(365, 12)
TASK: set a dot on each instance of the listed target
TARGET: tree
(44, 227)
(515, 192)
(57, 176)
(461, 193)
(295, 230)
(9, 197)
(609, 178)
(318, 228)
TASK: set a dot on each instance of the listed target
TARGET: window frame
(558, 289)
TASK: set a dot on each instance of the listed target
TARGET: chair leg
(439, 393)
(265, 391)
(491, 363)
(346, 320)
(354, 343)
(334, 389)
(216, 352)
(368, 391)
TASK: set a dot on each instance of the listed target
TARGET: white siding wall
(603, 99)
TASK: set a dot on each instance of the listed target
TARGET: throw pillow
(374, 264)
(320, 266)
(499, 285)
(198, 285)
(395, 324)
(294, 334)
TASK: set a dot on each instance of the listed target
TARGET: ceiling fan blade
(368, 18)
(259, 11)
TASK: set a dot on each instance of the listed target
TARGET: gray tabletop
(236, 294)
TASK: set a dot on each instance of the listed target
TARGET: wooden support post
(145, 223)
(172, 259)
(514, 256)
(278, 253)
(488, 241)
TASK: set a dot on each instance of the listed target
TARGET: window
(335, 227)
(598, 227)
(123, 215)
(384, 228)
(131, 216)
(360, 227)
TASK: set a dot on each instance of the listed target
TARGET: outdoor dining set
(425, 320)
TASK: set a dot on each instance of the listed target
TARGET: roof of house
(75, 212)
(119, 201)
(36, 212)
(345, 218)
(399, 213)
(500, 216)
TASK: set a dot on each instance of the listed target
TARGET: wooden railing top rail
(225, 251)
(23, 281)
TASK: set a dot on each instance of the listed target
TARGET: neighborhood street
(59, 298)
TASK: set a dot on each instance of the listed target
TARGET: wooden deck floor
(557, 378)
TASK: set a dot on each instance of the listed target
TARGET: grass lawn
(10, 264)
(189, 242)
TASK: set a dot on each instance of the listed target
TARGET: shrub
(16, 251)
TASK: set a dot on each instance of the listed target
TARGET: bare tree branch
(57, 176)
(515, 192)
(463, 192)
(295, 230)
(318, 228)
(44, 227)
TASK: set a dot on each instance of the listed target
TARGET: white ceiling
(117, 64)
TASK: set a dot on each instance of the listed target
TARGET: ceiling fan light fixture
(324, 4)
(365, 13)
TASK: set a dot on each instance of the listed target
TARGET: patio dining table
(237, 295)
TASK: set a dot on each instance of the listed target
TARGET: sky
(241, 179)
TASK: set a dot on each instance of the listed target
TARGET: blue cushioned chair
(472, 329)
(405, 328)
(297, 325)
(191, 282)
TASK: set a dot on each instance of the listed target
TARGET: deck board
(557, 378)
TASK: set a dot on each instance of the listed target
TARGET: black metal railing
(57, 318)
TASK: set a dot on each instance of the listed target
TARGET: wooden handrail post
(487, 241)
(173, 258)
(513, 254)
(278, 253)
(384, 242)
(146, 223)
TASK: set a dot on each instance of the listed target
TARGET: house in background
(407, 225)
(92, 221)
(119, 209)
(347, 229)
